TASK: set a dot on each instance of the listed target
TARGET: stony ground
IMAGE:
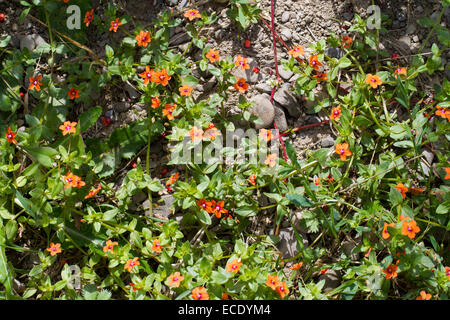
(297, 21)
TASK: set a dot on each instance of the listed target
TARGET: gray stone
(121, 106)
(284, 73)
(264, 110)
(332, 280)
(248, 74)
(411, 28)
(132, 93)
(27, 41)
(164, 207)
(429, 156)
(415, 38)
(286, 34)
(285, 16)
(139, 197)
(327, 142)
(334, 53)
(179, 38)
(263, 87)
(348, 247)
(314, 119)
(288, 244)
(287, 99)
(280, 119)
(297, 222)
(38, 40)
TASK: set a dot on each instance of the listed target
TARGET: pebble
(164, 208)
(286, 99)
(280, 119)
(263, 87)
(327, 142)
(286, 34)
(285, 16)
(263, 109)
(288, 244)
(334, 52)
(27, 41)
(332, 280)
(121, 106)
(133, 94)
(297, 218)
(284, 73)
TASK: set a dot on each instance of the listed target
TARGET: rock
(427, 162)
(332, 280)
(248, 74)
(121, 106)
(411, 28)
(132, 93)
(38, 40)
(347, 247)
(327, 142)
(287, 99)
(179, 38)
(164, 207)
(18, 286)
(27, 42)
(284, 73)
(402, 13)
(288, 244)
(429, 156)
(285, 16)
(286, 35)
(172, 2)
(415, 38)
(314, 119)
(334, 52)
(280, 119)
(264, 110)
(263, 87)
(297, 222)
(182, 4)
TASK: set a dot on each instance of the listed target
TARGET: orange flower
(168, 110)
(400, 187)
(109, 246)
(410, 228)
(320, 76)
(212, 55)
(296, 266)
(72, 180)
(217, 208)
(73, 93)
(54, 248)
(414, 190)
(368, 252)
(34, 83)
(385, 234)
(265, 134)
(241, 62)
(93, 191)
(156, 102)
(347, 41)
(272, 281)
(196, 134)
(162, 77)
(424, 296)
(10, 136)
(200, 293)
(391, 271)
(342, 150)
(373, 80)
(399, 71)
(204, 204)
(192, 14)
(68, 127)
(447, 272)
(241, 85)
(175, 279)
(442, 112)
(226, 296)
(282, 290)
(173, 178)
(296, 51)
(314, 62)
(156, 246)
(88, 17)
(335, 113)
(131, 263)
(185, 90)
(115, 24)
(234, 266)
(212, 133)
(271, 160)
(252, 179)
(330, 178)
(143, 38)
(148, 75)
(447, 171)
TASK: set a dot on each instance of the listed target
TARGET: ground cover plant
(368, 217)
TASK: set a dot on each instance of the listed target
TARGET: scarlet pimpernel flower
(442, 112)
(175, 279)
(241, 85)
(185, 90)
(200, 293)
(391, 271)
(148, 75)
(217, 208)
(296, 266)
(402, 188)
(296, 51)
(212, 55)
(373, 80)
(266, 135)
(156, 246)
(410, 228)
(156, 102)
(205, 204)
(347, 41)
(342, 150)
(110, 246)
(196, 134)
(424, 296)
(271, 160)
(282, 289)
(233, 266)
(54, 248)
(93, 191)
(241, 62)
(11, 136)
(192, 14)
(168, 110)
(115, 24)
(73, 93)
(68, 127)
(320, 76)
(447, 171)
(385, 234)
(314, 62)
(131, 263)
(335, 113)
(89, 17)
(173, 178)
(143, 38)
(34, 83)
(272, 281)
(399, 72)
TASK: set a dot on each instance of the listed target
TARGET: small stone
(121, 106)
(314, 119)
(27, 42)
(38, 40)
(287, 99)
(334, 53)
(411, 28)
(164, 207)
(132, 93)
(288, 244)
(297, 222)
(285, 16)
(332, 280)
(286, 34)
(263, 87)
(280, 119)
(327, 142)
(284, 73)
(179, 38)
(429, 156)
(348, 247)
(415, 39)
(264, 110)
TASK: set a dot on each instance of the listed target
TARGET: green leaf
(292, 154)
(42, 154)
(443, 208)
(5, 272)
(204, 217)
(245, 211)
(89, 118)
(299, 200)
